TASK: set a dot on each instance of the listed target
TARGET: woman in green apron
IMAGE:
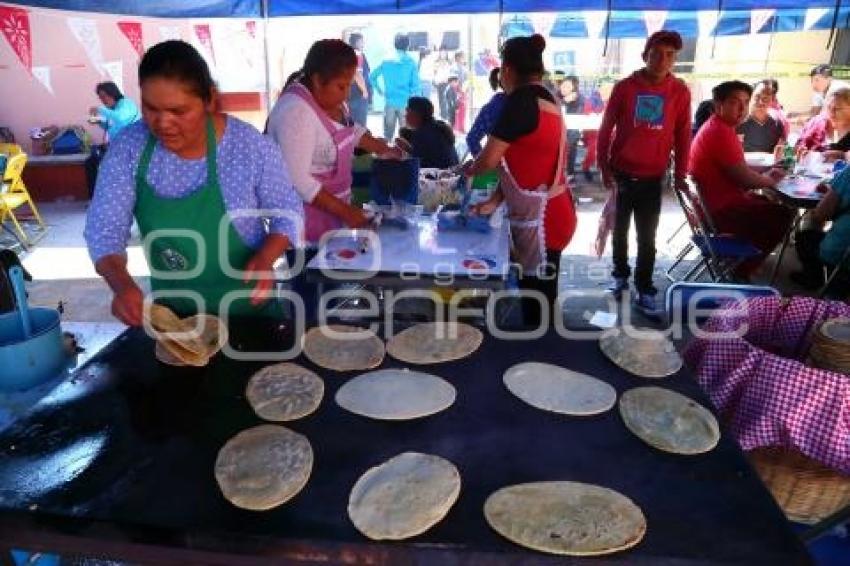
(212, 198)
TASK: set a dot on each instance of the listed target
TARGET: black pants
(92, 164)
(807, 243)
(573, 136)
(547, 284)
(643, 198)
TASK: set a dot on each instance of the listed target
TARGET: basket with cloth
(793, 419)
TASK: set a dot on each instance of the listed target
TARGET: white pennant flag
(707, 22)
(85, 30)
(758, 18)
(169, 32)
(813, 16)
(654, 20)
(594, 21)
(43, 76)
(115, 70)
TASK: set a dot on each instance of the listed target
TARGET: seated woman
(432, 141)
(528, 149)
(718, 167)
(762, 132)
(829, 132)
(818, 249)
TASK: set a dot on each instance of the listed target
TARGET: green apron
(201, 212)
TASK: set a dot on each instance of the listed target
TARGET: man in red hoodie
(648, 115)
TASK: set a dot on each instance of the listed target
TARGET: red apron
(527, 208)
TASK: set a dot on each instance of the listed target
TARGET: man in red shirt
(725, 181)
(648, 115)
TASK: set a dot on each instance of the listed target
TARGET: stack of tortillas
(396, 394)
(185, 342)
(284, 392)
(434, 342)
(563, 517)
(831, 345)
(669, 421)
(646, 353)
(343, 348)
(403, 497)
(263, 467)
(558, 390)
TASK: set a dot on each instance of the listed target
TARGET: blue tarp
(253, 8)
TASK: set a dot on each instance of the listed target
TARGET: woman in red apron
(527, 147)
(317, 137)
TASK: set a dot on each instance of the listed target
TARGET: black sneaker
(647, 305)
(588, 176)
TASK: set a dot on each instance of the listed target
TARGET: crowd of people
(185, 164)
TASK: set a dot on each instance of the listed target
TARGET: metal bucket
(25, 363)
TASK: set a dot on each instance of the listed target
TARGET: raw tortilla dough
(396, 394)
(358, 349)
(642, 352)
(284, 392)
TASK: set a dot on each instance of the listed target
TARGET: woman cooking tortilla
(180, 172)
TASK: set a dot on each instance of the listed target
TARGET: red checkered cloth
(763, 392)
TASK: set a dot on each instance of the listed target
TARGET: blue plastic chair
(720, 253)
(683, 296)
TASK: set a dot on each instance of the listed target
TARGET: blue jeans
(392, 116)
(359, 108)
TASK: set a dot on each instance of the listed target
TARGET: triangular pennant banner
(115, 70)
(15, 24)
(169, 32)
(43, 76)
(205, 37)
(133, 32)
(813, 16)
(251, 26)
(654, 20)
(594, 21)
(707, 22)
(758, 18)
(85, 30)
(543, 23)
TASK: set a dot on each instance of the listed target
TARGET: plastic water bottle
(789, 158)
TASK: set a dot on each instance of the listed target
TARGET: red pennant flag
(251, 26)
(15, 24)
(133, 32)
(205, 37)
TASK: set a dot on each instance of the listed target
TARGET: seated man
(762, 132)
(718, 167)
(817, 248)
(432, 141)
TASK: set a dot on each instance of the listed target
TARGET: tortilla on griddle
(396, 394)
(669, 421)
(263, 467)
(284, 392)
(559, 390)
(403, 497)
(343, 348)
(642, 352)
(434, 342)
(568, 518)
(213, 335)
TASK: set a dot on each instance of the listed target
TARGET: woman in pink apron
(527, 147)
(317, 137)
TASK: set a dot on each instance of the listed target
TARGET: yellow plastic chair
(10, 149)
(14, 194)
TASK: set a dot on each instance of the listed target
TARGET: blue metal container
(27, 362)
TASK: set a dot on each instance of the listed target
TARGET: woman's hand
(487, 207)
(260, 269)
(355, 218)
(127, 305)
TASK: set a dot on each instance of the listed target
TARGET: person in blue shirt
(432, 141)
(487, 116)
(818, 249)
(396, 80)
(117, 111)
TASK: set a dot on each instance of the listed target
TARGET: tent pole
(264, 4)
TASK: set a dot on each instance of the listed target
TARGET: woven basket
(828, 353)
(805, 490)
